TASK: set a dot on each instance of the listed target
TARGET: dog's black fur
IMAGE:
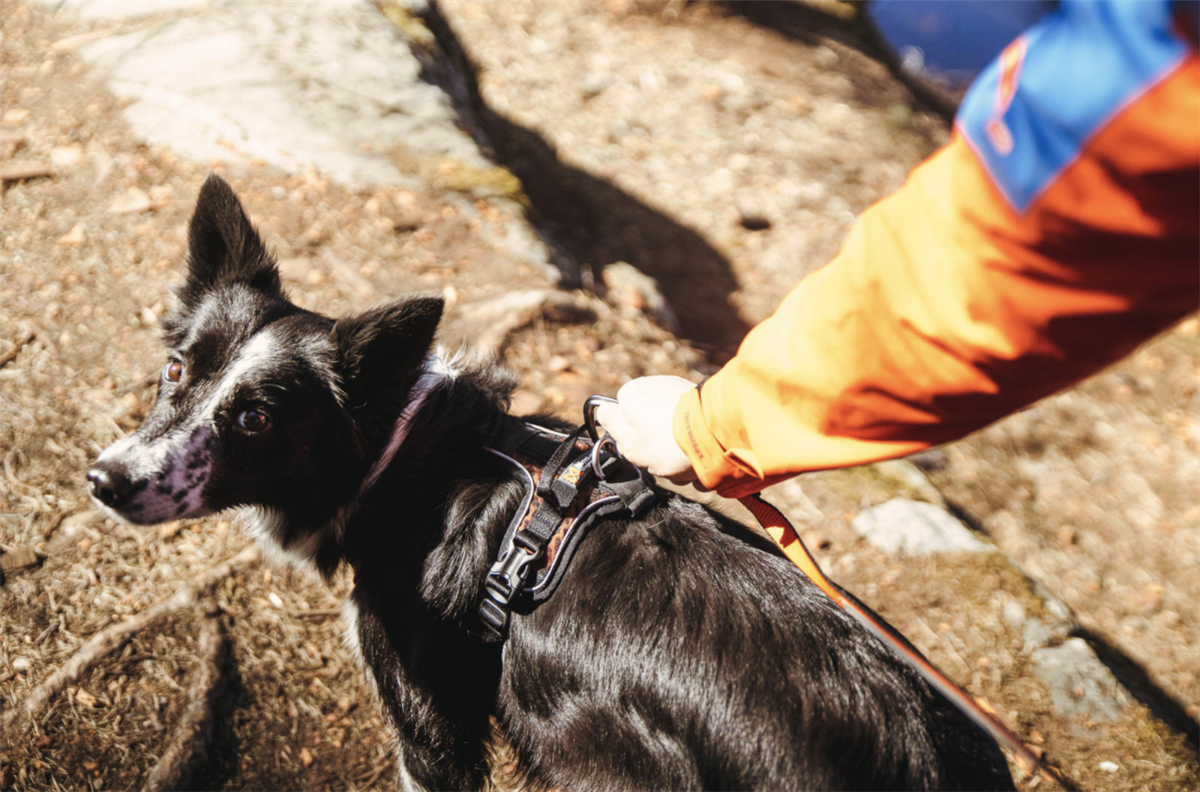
(681, 651)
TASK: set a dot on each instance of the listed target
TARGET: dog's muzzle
(110, 484)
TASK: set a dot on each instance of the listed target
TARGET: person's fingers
(641, 424)
(613, 420)
(630, 441)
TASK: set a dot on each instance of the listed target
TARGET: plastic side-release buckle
(505, 580)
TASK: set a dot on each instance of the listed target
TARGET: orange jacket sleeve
(1045, 241)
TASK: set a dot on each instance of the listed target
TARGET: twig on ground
(18, 344)
(46, 633)
(22, 171)
(52, 526)
(116, 635)
(323, 613)
(193, 732)
(374, 775)
(491, 322)
(11, 475)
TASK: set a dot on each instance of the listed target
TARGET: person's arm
(1057, 230)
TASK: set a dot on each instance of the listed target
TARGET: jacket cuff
(716, 467)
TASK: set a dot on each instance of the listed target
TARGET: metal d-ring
(603, 441)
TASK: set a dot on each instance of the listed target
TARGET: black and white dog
(680, 650)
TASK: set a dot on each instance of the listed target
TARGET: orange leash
(784, 535)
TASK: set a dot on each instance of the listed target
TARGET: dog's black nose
(110, 485)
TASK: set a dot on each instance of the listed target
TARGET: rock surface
(108, 10)
(915, 528)
(1079, 684)
(325, 84)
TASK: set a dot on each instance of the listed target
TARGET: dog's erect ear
(223, 246)
(383, 346)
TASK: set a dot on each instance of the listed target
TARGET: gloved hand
(641, 423)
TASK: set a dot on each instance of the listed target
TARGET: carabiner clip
(589, 413)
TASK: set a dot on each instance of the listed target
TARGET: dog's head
(261, 403)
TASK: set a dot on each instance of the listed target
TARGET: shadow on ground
(813, 26)
(1134, 676)
(590, 223)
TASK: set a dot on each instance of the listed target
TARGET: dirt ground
(1095, 493)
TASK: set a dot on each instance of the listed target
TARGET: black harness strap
(555, 490)
(579, 481)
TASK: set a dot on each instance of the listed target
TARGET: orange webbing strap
(784, 535)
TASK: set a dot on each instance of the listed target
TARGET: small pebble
(132, 201)
(1109, 767)
(66, 156)
(752, 221)
(73, 238)
(16, 116)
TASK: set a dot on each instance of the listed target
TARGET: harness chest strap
(570, 484)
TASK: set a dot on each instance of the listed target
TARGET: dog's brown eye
(254, 420)
(173, 371)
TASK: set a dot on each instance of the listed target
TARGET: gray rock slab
(1034, 633)
(915, 528)
(124, 9)
(329, 84)
(1079, 683)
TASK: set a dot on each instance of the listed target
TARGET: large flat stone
(915, 528)
(125, 9)
(328, 84)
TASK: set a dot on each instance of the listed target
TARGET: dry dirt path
(586, 145)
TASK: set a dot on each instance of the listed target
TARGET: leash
(785, 537)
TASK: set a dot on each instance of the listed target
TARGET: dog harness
(571, 480)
